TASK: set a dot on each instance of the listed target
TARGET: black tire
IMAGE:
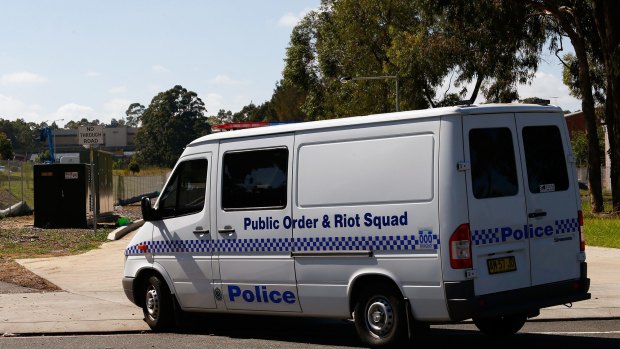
(501, 326)
(380, 318)
(157, 308)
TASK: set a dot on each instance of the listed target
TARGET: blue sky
(71, 59)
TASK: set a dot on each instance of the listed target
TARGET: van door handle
(201, 232)
(227, 230)
(537, 214)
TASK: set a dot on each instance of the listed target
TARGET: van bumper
(128, 288)
(464, 304)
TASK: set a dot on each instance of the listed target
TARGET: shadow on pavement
(342, 333)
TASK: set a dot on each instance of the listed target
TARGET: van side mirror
(148, 212)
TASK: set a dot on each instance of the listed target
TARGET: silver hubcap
(379, 316)
(152, 302)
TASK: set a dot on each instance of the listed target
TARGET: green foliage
(579, 142)
(43, 156)
(570, 77)
(23, 135)
(134, 113)
(493, 43)
(222, 117)
(134, 167)
(287, 101)
(74, 125)
(251, 112)
(172, 120)
(117, 123)
(6, 147)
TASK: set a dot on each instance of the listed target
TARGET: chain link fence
(582, 176)
(16, 183)
(130, 189)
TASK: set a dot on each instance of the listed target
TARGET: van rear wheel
(380, 318)
(157, 305)
(501, 326)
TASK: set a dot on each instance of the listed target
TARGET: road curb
(122, 231)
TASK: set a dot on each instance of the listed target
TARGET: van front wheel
(380, 318)
(501, 326)
(157, 306)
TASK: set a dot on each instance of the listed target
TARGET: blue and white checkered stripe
(356, 243)
(133, 250)
(334, 243)
(485, 236)
(254, 245)
(563, 226)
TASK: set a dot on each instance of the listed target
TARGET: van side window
(186, 190)
(493, 166)
(255, 179)
(544, 158)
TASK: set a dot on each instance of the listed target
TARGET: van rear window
(493, 166)
(255, 179)
(544, 158)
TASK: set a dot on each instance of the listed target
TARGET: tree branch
(557, 54)
(474, 94)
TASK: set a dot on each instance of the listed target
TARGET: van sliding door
(253, 224)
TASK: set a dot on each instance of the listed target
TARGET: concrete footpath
(93, 299)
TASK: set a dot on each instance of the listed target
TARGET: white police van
(398, 220)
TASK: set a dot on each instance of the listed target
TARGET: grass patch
(30, 242)
(603, 232)
(601, 229)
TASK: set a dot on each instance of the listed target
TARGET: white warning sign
(90, 135)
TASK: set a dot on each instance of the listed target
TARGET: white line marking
(576, 333)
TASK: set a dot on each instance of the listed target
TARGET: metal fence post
(8, 173)
(23, 178)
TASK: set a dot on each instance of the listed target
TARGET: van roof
(376, 118)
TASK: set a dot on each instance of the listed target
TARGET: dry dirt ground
(28, 241)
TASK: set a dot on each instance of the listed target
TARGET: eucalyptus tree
(172, 120)
(427, 44)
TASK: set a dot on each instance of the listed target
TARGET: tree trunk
(587, 105)
(474, 94)
(608, 29)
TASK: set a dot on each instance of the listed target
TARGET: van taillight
(460, 248)
(582, 241)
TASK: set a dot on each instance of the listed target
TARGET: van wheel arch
(379, 311)
(141, 282)
(362, 281)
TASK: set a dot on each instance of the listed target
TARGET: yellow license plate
(501, 265)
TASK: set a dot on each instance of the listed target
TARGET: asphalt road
(266, 332)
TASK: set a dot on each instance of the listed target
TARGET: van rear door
(523, 201)
(496, 200)
(552, 198)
